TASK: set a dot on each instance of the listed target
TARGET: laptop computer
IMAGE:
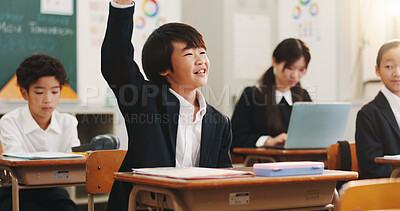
(316, 125)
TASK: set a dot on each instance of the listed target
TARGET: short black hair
(384, 48)
(37, 66)
(157, 51)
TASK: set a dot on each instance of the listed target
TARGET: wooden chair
(334, 157)
(370, 194)
(100, 166)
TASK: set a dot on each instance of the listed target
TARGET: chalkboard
(26, 27)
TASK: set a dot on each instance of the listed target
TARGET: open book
(43, 155)
(193, 172)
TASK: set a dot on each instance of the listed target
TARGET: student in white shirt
(377, 124)
(38, 127)
(262, 114)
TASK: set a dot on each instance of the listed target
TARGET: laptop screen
(316, 125)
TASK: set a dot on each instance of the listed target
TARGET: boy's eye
(203, 52)
(389, 66)
(55, 92)
(188, 54)
(38, 93)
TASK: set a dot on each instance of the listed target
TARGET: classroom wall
(342, 60)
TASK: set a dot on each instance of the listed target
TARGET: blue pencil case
(288, 168)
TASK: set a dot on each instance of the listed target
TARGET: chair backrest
(334, 157)
(370, 194)
(100, 166)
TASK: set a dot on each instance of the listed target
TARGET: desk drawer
(48, 175)
(253, 197)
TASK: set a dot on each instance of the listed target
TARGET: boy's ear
(165, 73)
(377, 71)
(24, 93)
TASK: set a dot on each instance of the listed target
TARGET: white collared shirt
(19, 132)
(287, 95)
(188, 137)
(278, 97)
(394, 102)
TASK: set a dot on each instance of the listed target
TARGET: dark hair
(289, 51)
(384, 48)
(157, 51)
(37, 66)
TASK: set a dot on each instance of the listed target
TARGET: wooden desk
(394, 162)
(275, 155)
(250, 193)
(27, 174)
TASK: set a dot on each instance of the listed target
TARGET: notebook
(316, 125)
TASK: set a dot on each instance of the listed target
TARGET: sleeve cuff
(260, 142)
(116, 5)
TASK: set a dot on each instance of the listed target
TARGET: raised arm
(117, 64)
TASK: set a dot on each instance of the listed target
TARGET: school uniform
(248, 121)
(19, 133)
(377, 134)
(152, 112)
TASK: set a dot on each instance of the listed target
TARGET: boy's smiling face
(43, 96)
(389, 70)
(190, 65)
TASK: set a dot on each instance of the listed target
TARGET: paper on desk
(392, 157)
(193, 172)
(43, 155)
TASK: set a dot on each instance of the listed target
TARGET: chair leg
(90, 202)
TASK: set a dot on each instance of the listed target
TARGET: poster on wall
(149, 15)
(305, 19)
(252, 54)
(314, 22)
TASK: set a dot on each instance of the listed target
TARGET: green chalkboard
(25, 30)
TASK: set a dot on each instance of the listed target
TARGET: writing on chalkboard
(25, 30)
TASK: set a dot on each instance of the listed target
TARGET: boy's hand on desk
(277, 140)
(124, 2)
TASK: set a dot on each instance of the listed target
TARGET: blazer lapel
(170, 106)
(207, 135)
(387, 112)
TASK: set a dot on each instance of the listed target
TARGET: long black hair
(289, 51)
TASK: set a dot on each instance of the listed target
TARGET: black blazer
(377, 134)
(248, 120)
(151, 112)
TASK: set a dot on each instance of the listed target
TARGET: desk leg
(177, 203)
(15, 193)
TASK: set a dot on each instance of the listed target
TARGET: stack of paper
(193, 172)
(392, 157)
(43, 155)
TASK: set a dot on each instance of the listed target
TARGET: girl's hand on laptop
(277, 140)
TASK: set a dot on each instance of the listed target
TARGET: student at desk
(261, 116)
(377, 124)
(168, 121)
(39, 127)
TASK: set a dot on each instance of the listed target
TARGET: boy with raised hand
(168, 121)
(38, 127)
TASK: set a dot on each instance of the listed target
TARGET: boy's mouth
(201, 71)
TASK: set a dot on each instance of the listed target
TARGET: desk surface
(15, 162)
(328, 175)
(264, 151)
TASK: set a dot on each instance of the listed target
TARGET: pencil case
(288, 168)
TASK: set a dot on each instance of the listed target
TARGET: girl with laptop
(262, 114)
